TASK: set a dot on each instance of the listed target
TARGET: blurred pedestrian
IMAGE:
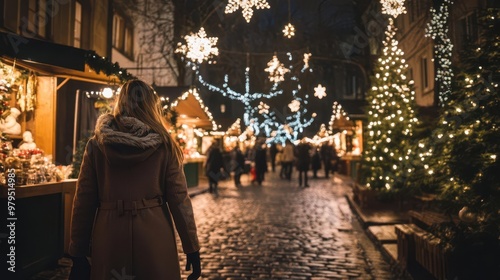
(273, 150)
(238, 164)
(303, 150)
(327, 155)
(214, 167)
(315, 162)
(260, 161)
(130, 168)
(287, 159)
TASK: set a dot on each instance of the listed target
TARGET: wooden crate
(431, 255)
(406, 244)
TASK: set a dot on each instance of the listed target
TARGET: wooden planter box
(431, 255)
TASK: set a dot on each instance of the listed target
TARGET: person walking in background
(130, 168)
(327, 154)
(214, 167)
(273, 150)
(238, 164)
(315, 162)
(303, 161)
(260, 161)
(287, 159)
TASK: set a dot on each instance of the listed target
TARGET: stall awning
(48, 58)
(189, 106)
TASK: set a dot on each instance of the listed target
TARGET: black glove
(80, 269)
(194, 260)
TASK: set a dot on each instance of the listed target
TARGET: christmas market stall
(346, 132)
(192, 126)
(41, 84)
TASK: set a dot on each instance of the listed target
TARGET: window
(78, 25)
(118, 30)
(468, 29)
(123, 36)
(10, 19)
(425, 73)
(37, 17)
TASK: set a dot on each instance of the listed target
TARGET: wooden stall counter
(41, 217)
(193, 169)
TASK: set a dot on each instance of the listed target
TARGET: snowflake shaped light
(393, 7)
(199, 47)
(263, 108)
(289, 30)
(246, 7)
(294, 105)
(276, 70)
(320, 91)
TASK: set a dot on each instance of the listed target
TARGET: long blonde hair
(137, 99)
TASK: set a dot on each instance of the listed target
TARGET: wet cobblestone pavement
(279, 231)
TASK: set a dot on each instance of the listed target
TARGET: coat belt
(134, 206)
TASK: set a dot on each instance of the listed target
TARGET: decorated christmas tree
(465, 146)
(388, 160)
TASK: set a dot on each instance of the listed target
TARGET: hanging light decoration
(393, 7)
(276, 70)
(246, 7)
(263, 108)
(320, 91)
(289, 30)
(294, 105)
(199, 47)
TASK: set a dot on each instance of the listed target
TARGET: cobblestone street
(278, 231)
(281, 231)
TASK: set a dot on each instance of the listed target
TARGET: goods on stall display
(30, 166)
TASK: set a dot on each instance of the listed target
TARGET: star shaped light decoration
(320, 91)
(199, 47)
(263, 108)
(277, 70)
(393, 7)
(246, 7)
(289, 30)
(294, 105)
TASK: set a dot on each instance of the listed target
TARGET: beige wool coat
(128, 191)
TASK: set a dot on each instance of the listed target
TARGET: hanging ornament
(246, 7)
(263, 108)
(320, 91)
(199, 47)
(276, 70)
(393, 7)
(467, 216)
(289, 30)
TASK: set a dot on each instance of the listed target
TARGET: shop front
(37, 146)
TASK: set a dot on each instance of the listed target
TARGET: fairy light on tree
(198, 47)
(246, 7)
(391, 116)
(266, 117)
(289, 30)
(438, 30)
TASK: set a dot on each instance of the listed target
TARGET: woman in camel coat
(130, 186)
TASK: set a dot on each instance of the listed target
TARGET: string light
(263, 108)
(294, 105)
(246, 7)
(337, 113)
(307, 57)
(199, 47)
(195, 94)
(437, 29)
